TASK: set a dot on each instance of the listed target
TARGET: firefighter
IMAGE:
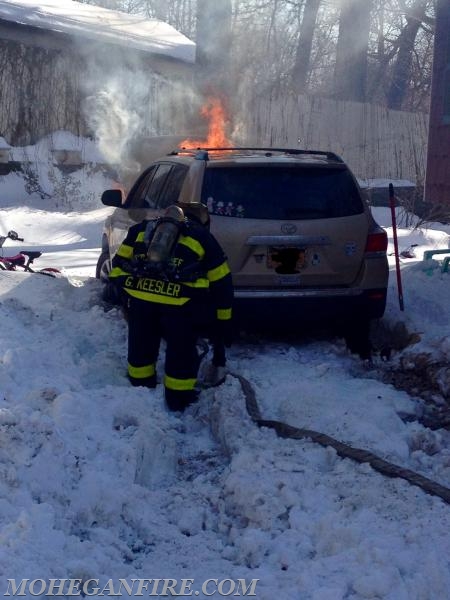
(172, 272)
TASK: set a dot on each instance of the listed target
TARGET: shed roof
(100, 24)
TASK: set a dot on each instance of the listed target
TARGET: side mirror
(112, 198)
(13, 235)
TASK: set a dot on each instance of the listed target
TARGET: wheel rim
(105, 270)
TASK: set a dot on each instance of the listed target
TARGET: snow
(101, 25)
(384, 183)
(98, 480)
(47, 174)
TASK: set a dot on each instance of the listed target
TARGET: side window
(156, 185)
(172, 187)
(136, 197)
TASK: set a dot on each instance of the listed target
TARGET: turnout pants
(148, 323)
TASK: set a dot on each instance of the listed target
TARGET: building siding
(37, 94)
(47, 76)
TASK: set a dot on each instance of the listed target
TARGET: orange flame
(214, 111)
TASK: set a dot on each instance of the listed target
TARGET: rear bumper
(255, 294)
(309, 305)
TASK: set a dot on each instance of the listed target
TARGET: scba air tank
(165, 235)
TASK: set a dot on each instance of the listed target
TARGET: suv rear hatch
(287, 224)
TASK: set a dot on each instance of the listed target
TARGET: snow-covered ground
(98, 481)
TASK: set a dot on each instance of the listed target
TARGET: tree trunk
(304, 47)
(351, 55)
(402, 67)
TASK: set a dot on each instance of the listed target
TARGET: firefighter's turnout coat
(170, 303)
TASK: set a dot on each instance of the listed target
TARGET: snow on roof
(71, 17)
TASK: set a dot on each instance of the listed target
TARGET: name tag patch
(154, 286)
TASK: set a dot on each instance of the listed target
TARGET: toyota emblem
(288, 228)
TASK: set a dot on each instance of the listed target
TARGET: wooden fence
(374, 141)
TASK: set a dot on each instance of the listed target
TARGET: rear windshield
(281, 192)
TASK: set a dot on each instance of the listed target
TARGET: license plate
(293, 280)
(286, 261)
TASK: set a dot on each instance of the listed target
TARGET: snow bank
(98, 480)
(61, 171)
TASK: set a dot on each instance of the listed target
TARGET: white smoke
(114, 123)
(126, 103)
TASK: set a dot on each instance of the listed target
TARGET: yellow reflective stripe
(218, 272)
(172, 383)
(224, 314)
(156, 297)
(198, 283)
(140, 236)
(125, 251)
(141, 372)
(192, 244)
(117, 272)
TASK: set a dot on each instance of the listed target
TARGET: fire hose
(343, 450)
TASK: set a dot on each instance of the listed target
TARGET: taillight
(377, 242)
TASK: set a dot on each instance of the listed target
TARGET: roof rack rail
(202, 153)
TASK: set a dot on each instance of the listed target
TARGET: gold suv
(300, 238)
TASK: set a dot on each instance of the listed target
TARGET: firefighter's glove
(222, 333)
(112, 293)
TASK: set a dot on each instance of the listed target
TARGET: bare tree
(403, 63)
(181, 14)
(304, 47)
(111, 4)
(365, 50)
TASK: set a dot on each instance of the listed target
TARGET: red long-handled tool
(397, 258)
